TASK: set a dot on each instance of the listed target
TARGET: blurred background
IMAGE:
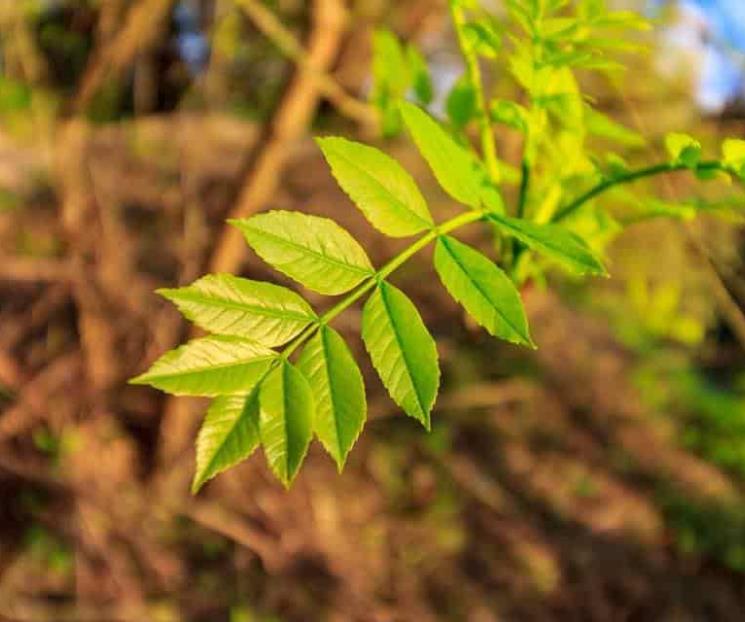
(601, 477)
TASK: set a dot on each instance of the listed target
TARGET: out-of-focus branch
(289, 123)
(273, 29)
(142, 26)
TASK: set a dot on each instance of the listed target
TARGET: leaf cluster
(277, 371)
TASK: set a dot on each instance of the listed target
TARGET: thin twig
(273, 29)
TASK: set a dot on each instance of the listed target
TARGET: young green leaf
(336, 382)
(733, 152)
(453, 167)
(228, 305)
(379, 186)
(683, 149)
(421, 80)
(461, 103)
(391, 79)
(483, 289)
(211, 366)
(229, 434)
(314, 251)
(553, 241)
(285, 420)
(402, 351)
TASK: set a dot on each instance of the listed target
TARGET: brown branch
(142, 26)
(290, 122)
(280, 36)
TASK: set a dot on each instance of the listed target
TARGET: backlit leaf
(553, 241)
(229, 434)
(228, 305)
(285, 420)
(336, 382)
(483, 289)
(379, 186)
(312, 250)
(211, 366)
(683, 149)
(453, 167)
(402, 351)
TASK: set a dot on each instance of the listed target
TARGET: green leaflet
(483, 289)
(421, 80)
(312, 250)
(553, 241)
(379, 186)
(228, 435)
(402, 351)
(211, 366)
(683, 149)
(285, 420)
(336, 382)
(461, 104)
(228, 305)
(453, 167)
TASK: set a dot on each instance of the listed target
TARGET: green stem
(604, 186)
(384, 272)
(650, 171)
(488, 143)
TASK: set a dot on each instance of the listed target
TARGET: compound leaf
(553, 241)
(285, 420)
(402, 351)
(312, 250)
(453, 167)
(336, 382)
(229, 434)
(229, 305)
(211, 366)
(484, 290)
(379, 186)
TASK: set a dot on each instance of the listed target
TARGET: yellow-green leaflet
(336, 382)
(211, 366)
(379, 186)
(484, 290)
(229, 434)
(314, 251)
(402, 351)
(286, 408)
(229, 305)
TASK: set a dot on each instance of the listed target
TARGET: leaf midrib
(202, 298)
(393, 199)
(384, 299)
(305, 249)
(481, 291)
(258, 359)
(235, 424)
(332, 395)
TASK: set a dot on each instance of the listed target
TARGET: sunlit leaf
(452, 165)
(229, 305)
(484, 290)
(229, 434)
(286, 408)
(683, 149)
(553, 241)
(312, 250)
(211, 366)
(336, 382)
(379, 186)
(402, 351)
